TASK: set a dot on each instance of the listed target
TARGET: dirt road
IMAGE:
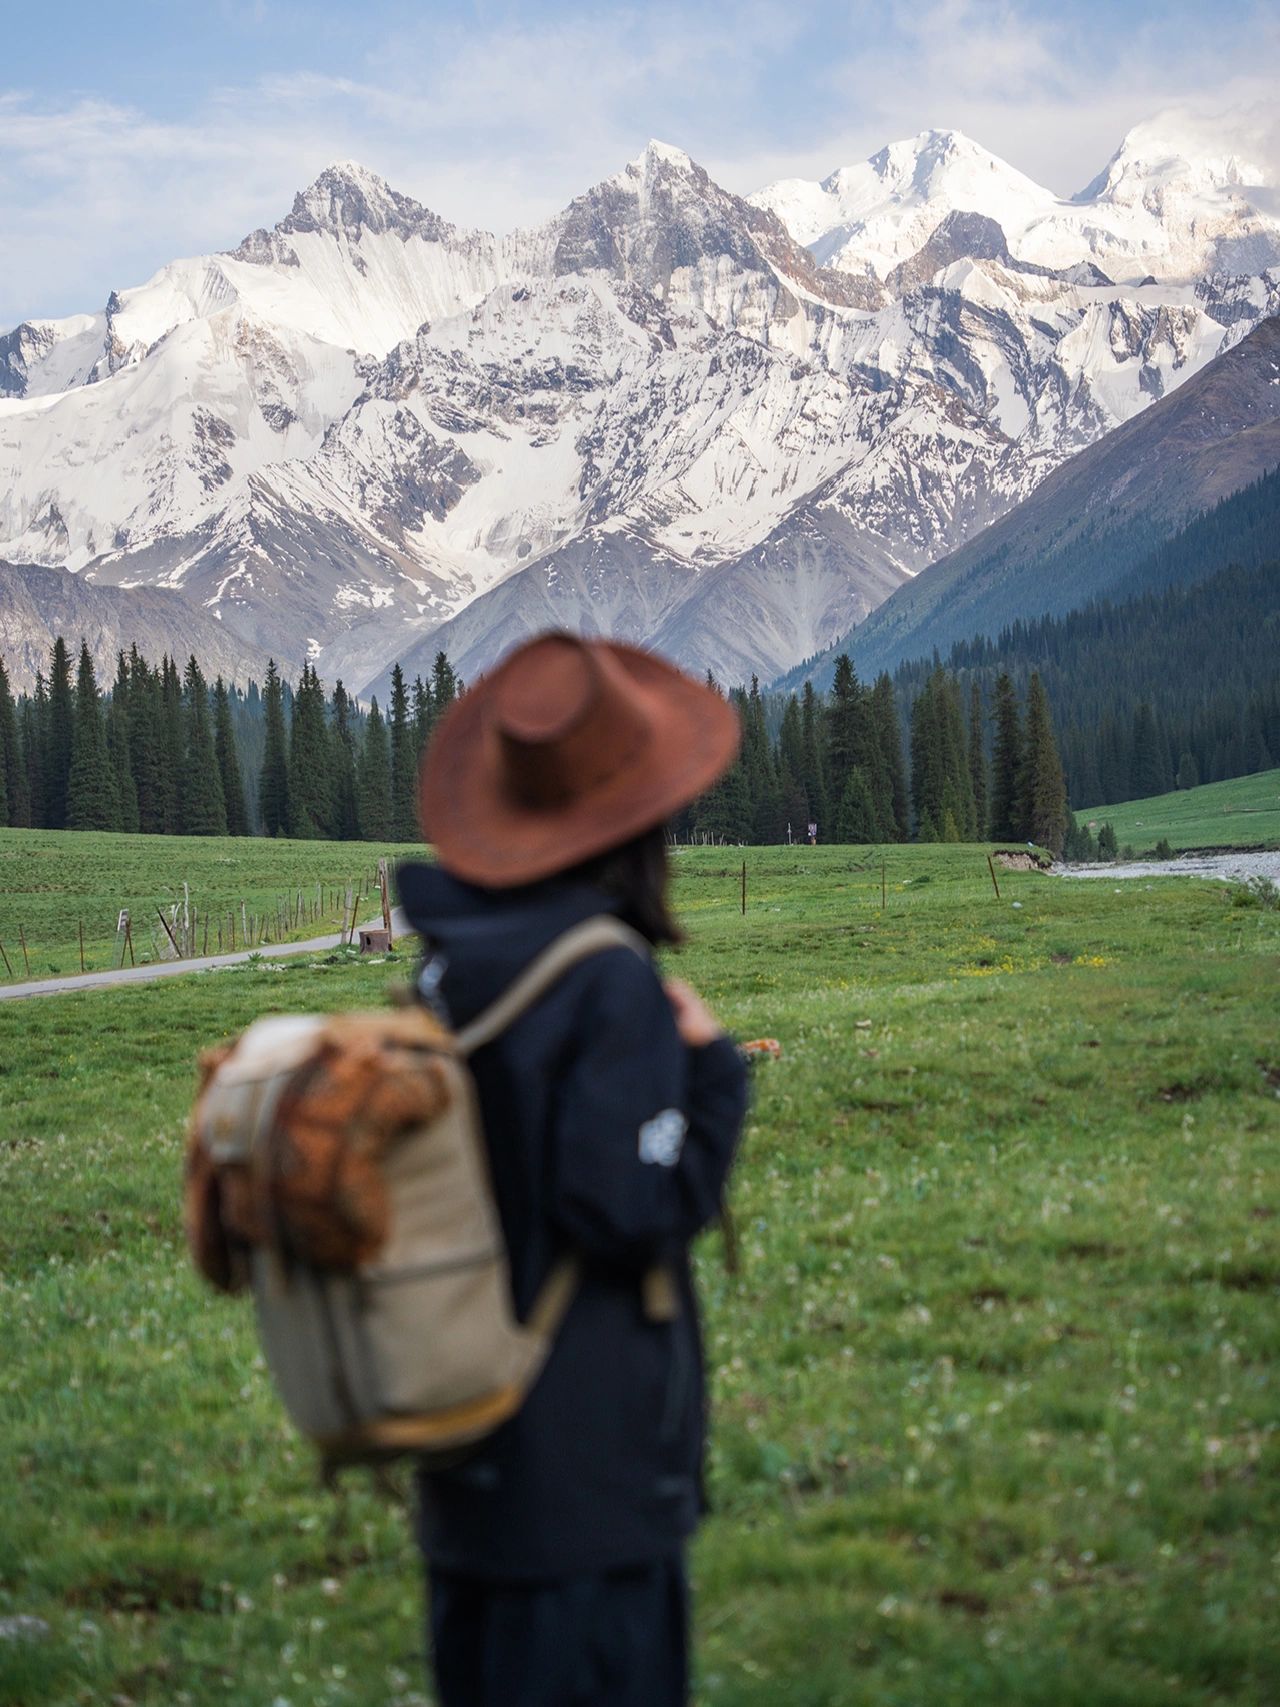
(177, 968)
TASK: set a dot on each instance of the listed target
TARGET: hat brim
(485, 835)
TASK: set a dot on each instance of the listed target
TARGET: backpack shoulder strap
(592, 936)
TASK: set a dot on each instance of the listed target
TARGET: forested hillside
(1173, 687)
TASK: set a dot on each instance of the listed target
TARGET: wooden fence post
(169, 933)
(26, 959)
(386, 900)
(991, 868)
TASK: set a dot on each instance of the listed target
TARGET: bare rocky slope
(38, 604)
(1092, 521)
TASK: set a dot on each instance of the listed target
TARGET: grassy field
(52, 882)
(996, 1410)
(1241, 813)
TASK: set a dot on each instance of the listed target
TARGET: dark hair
(638, 875)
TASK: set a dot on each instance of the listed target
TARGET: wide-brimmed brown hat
(570, 747)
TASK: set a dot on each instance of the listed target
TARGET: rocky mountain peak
(663, 214)
(657, 156)
(346, 201)
(1173, 152)
(659, 213)
(870, 217)
(934, 165)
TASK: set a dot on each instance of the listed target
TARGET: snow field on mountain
(365, 420)
(1163, 205)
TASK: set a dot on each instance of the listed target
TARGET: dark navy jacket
(602, 1466)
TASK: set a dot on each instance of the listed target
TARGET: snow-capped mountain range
(727, 427)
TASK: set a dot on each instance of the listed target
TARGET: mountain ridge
(1109, 507)
(365, 422)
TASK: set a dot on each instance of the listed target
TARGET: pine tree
(856, 743)
(941, 787)
(884, 712)
(1188, 771)
(1006, 763)
(145, 753)
(928, 760)
(310, 764)
(13, 805)
(1045, 793)
(33, 736)
(91, 793)
(792, 799)
(723, 814)
(374, 779)
(344, 817)
(815, 764)
(1146, 773)
(202, 807)
(958, 797)
(404, 816)
(445, 686)
(857, 820)
(273, 783)
(119, 749)
(423, 716)
(757, 760)
(59, 722)
(1078, 845)
(841, 719)
(172, 734)
(978, 760)
(228, 760)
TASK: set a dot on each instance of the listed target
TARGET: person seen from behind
(555, 1553)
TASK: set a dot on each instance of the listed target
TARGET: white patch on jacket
(662, 1138)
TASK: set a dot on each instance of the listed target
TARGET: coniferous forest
(853, 766)
(164, 753)
(1177, 685)
(1172, 679)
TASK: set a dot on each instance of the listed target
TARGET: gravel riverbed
(1229, 867)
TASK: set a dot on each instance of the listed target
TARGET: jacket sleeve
(645, 1128)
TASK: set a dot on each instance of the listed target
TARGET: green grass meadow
(1241, 813)
(51, 883)
(996, 1408)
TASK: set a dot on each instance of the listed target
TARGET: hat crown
(546, 691)
(566, 717)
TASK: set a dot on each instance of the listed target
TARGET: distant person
(555, 1552)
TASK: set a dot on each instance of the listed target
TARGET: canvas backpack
(337, 1168)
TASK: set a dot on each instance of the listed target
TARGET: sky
(141, 131)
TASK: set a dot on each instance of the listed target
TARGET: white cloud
(503, 123)
(1037, 87)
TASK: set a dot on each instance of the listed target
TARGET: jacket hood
(486, 937)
